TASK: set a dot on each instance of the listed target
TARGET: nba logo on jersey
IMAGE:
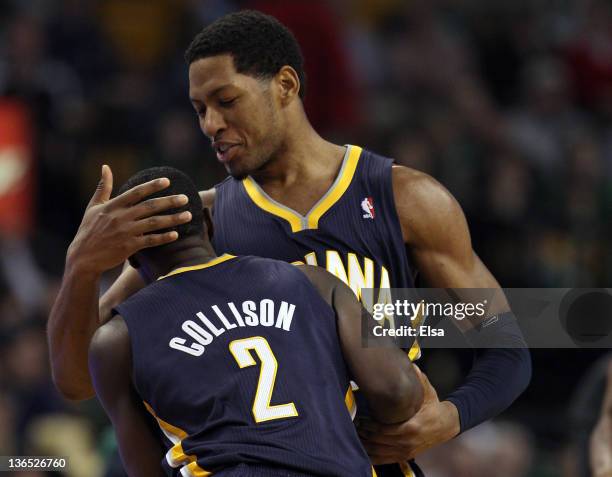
(367, 205)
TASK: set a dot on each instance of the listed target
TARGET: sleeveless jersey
(353, 231)
(240, 363)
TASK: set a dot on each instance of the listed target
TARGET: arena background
(508, 103)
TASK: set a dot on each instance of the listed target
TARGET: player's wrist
(452, 423)
(80, 263)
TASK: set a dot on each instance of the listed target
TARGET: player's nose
(213, 123)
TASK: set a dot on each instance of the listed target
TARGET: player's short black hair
(259, 44)
(180, 183)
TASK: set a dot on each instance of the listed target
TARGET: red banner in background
(16, 170)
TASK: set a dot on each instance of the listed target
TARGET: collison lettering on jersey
(254, 371)
(265, 313)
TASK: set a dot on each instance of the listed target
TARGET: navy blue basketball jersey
(353, 231)
(239, 361)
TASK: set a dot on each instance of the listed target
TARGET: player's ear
(208, 223)
(288, 84)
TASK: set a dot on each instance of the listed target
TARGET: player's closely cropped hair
(259, 44)
(180, 183)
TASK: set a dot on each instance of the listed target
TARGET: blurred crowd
(507, 103)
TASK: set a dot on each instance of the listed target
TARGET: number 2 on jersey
(262, 410)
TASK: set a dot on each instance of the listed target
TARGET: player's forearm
(399, 398)
(72, 322)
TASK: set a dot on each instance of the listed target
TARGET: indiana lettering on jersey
(203, 329)
(359, 277)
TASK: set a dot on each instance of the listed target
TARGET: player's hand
(114, 229)
(601, 438)
(434, 423)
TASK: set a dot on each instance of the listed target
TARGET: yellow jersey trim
(223, 258)
(297, 221)
(266, 204)
(338, 189)
(176, 455)
(406, 469)
(349, 400)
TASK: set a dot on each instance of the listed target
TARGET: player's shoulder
(421, 201)
(324, 282)
(110, 335)
(371, 159)
(267, 267)
(208, 196)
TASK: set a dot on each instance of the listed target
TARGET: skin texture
(295, 166)
(387, 378)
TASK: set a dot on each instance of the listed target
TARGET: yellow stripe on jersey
(311, 219)
(374, 472)
(415, 350)
(349, 400)
(406, 469)
(193, 470)
(338, 189)
(263, 202)
(176, 456)
(223, 258)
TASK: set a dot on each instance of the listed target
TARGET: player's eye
(201, 112)
(226, 102)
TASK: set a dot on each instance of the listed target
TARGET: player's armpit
(384, 374)
(110, 365)
(436, 233)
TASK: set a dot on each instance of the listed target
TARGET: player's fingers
(153, 240)
(104, 187)
(428, 389)
(140, 192)
(151, 207)
(379, 439)
(158, 222)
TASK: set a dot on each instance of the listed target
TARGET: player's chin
(236, 170)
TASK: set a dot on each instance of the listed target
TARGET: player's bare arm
(385, 375)
(435, 230)
(111, 231)
(110, 363)
(436, 233)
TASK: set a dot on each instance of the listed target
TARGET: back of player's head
(180, 183)
(259, 44)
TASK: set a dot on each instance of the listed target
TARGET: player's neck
(305, 157)
(185, 255)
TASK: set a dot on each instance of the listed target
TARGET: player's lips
(225, 150)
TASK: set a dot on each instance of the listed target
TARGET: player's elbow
(399, 400)
(71, 388)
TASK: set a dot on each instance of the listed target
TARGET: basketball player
(294, 196)
(241, 360)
